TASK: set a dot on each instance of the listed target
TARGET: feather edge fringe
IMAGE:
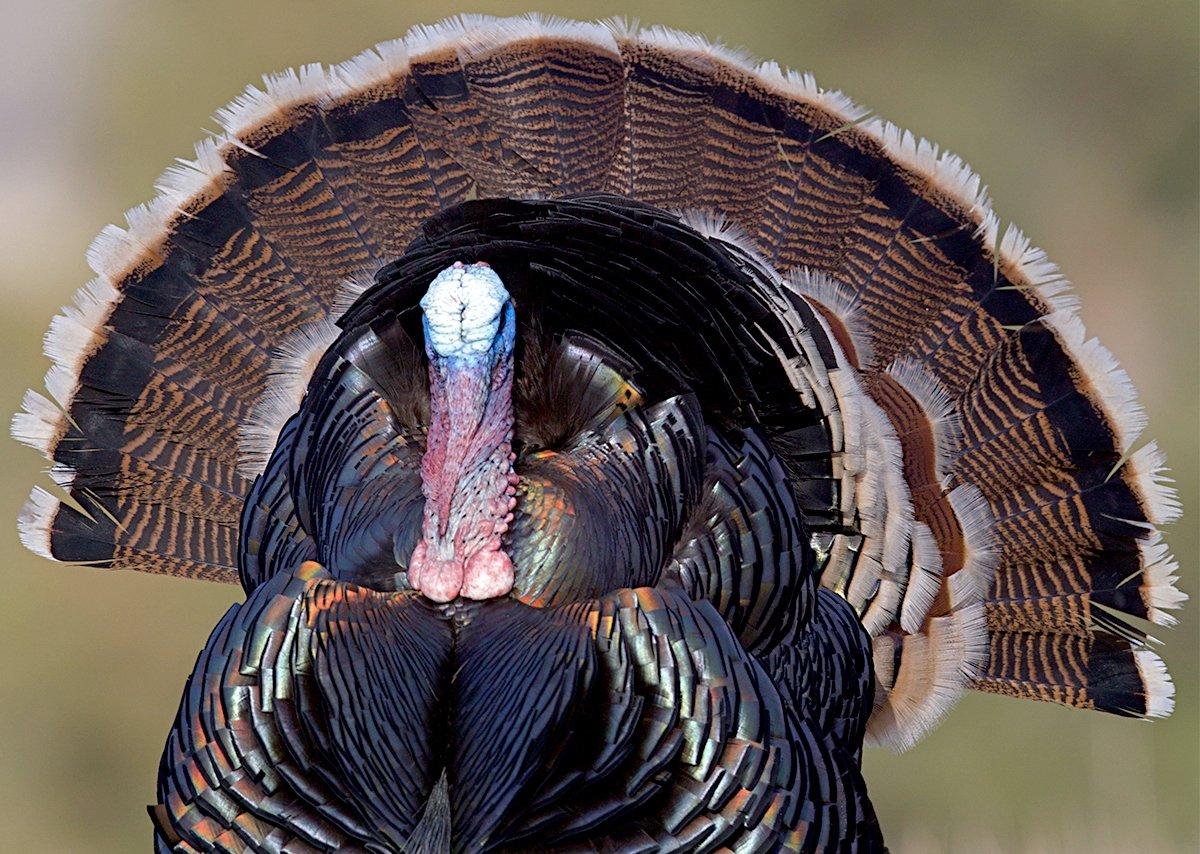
(935, 399)
(1147, 473)
(1112, 389)
(935, 670)
(1158, 588)
(35, 521)
(1158, 687)
(291, 369)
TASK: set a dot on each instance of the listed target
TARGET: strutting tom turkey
(610, 436)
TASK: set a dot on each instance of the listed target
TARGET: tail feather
(146, 537)
(1100, 671)
(42, 425)
(550, 96)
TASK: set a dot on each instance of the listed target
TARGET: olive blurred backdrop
(1081, 115)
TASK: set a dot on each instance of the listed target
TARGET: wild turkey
(609, 435)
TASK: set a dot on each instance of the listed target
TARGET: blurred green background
(1081, 115)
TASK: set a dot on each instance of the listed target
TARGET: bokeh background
(1081, 115)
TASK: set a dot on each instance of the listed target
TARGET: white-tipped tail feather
(185, 180)
(1147, 474)
(1030, 267)
(281, 91)
(39, 425)
(500, 32)
(1111, 389)
(74, 336)
(890, 547)
(35, 520)
(427, 39)
(696, 45)
(717, 226)
(943, 169)
(1158, 588)
(803, 85)
(382, 64)
(1157, 683)
(87, 313)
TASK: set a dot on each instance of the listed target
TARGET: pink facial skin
(467, 475)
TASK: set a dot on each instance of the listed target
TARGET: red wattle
(468, 481)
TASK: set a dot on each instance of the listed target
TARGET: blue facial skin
(501, 348)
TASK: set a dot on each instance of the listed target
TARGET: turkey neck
(467, 474)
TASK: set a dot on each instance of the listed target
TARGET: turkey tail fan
(969, 474)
